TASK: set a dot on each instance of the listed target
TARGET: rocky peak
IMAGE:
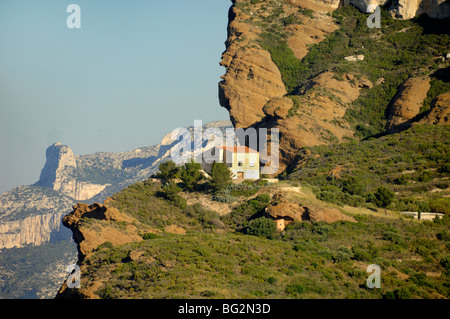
(59, 158)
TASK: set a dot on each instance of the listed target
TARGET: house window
(240, 163)
(252, 164)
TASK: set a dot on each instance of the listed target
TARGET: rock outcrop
(93, 225)
(59, 174)
(254, 93)
(88, 237)
(403, 9)
(407, 103)
(408, 9)
(439, 112)
(252, 88)
(285, 211)
(252, 78)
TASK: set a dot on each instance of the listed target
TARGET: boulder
(407, 103)
(285, 211)
(440, 111)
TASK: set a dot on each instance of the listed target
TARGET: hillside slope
(292, 65)
(30, 216)
(337, 91)
(142, 246)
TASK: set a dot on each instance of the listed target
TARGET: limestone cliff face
(58, 174)
(407, 9)
(59, 158)
(33, 230)
(31, 215)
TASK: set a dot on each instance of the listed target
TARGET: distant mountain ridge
(31, 215)
(68, 178)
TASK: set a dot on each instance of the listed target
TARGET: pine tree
(190, 175)
(168, 171)
(383, 197)
(220, 176)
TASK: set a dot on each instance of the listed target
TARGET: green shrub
(178, 201)
(445, 262)
(107, 245)
(445, 168)
(307, 12)
(262, 227)
(400, 293)
(294, 289)
(148, 236)
(403, 180)
(443, 235)
(224, 198)
(209, 293)
(290, 20)
(353, 186)
(394, 238)
(170, 190)
(343, 254)
(383, 197)
(361, 254)
(439, 205)
(263, 198)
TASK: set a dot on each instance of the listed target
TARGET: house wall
(248, 163)
(247, 159)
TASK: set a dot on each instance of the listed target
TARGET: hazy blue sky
(134, 71)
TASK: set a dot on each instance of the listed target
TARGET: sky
(133, 72)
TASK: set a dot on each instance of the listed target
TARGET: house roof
(238, 149)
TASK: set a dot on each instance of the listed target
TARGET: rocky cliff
(32, 215)
(405, 9)
(66, 173)
(269, 47)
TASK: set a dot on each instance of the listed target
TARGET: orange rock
(407, 103)
(440, 111)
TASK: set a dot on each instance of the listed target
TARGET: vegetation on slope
(413, 164)
(41, 267)
(219, 258)
(242, 255)
(398, 50)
